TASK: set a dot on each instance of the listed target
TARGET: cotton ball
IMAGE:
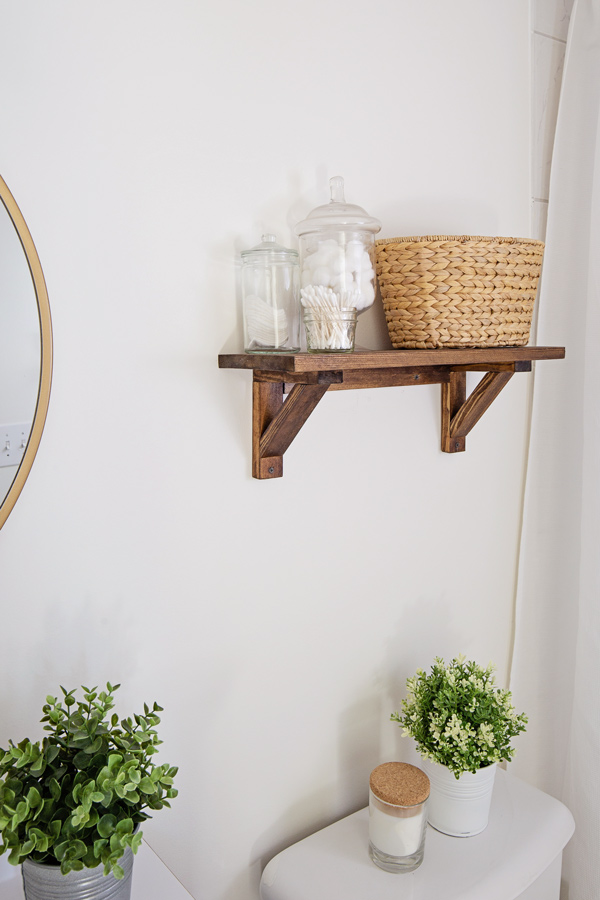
(367, 277)
(328, 246)
(327, 255)
(346, 281)
(367, 292)
(309, 261)
(362, 265)
(309, 264)
(313, 259)
(338, 282)
(367, 271)
(322, 275)
(354, 254)
(337, 262)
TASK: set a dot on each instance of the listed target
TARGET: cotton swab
(329, 331)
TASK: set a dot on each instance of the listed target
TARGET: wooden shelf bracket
(459, 412)
(276, 421)
(306, 379)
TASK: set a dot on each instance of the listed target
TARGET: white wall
(147, 143)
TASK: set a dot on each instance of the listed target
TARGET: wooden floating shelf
(306, 377)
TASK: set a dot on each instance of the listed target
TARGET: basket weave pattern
(458, 291)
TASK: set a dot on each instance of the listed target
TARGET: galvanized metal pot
(44, 882)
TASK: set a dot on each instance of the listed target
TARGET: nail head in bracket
(269, 467)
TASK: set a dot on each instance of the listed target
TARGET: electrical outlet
(13, 441)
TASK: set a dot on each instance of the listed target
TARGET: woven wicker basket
(458, 291)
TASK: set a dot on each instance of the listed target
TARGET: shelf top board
(384, 359)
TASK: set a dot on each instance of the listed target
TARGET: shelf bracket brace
(459, 413)
(276, 422)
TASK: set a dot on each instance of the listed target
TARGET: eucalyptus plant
(77, 797)
(458, 717)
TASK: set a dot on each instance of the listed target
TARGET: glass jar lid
(337, 214)
(269, 251)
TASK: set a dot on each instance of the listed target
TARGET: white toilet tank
(519, 855)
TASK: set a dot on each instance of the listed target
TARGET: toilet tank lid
(527, 831)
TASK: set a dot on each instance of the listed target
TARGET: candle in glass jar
(398, 795)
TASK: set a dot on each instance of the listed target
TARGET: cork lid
(399, 784)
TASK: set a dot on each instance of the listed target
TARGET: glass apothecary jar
(337, 254)
(398, 794)
(271, 298)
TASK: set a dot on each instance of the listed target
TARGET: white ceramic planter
(459, 807)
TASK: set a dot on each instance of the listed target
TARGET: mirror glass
(25, 352)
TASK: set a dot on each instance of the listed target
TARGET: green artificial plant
(77, 797)
(458, 717)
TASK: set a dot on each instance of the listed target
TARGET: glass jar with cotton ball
(337, 260)
(271, 299)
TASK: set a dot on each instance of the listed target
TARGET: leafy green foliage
(77, 797)
(458, 717)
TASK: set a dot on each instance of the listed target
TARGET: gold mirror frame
(43, 397)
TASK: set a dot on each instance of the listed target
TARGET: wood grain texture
(353, 379)
(276, 422)
(474, 407)
(454, 393)
(283, 428)
(267, 401)
(300, 377)
(384, 359)
(521, 366)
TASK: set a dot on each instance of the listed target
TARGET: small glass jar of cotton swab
(330, 327)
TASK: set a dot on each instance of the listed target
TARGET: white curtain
(556, 662)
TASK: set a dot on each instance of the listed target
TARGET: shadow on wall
(366, 736)
(270, 842)
(426, 629)
(421, 215)
(67, 645)
(358, 735)
(299, 198)
(358, 750)
(82, 645)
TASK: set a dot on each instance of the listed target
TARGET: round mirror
(25, 352)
